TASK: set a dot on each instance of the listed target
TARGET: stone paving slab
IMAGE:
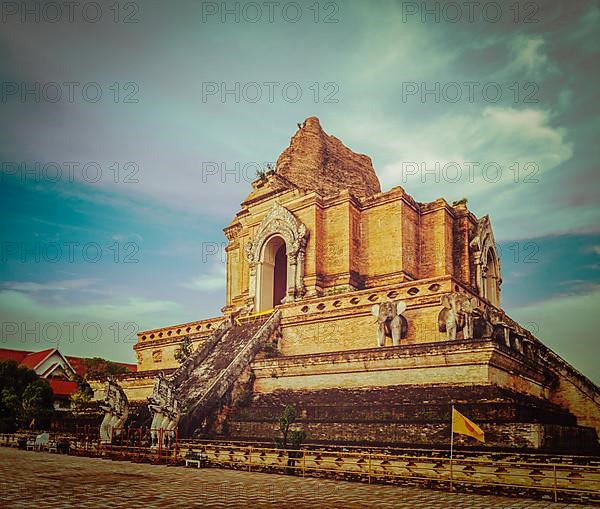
(41, 480)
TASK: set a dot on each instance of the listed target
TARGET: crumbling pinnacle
(316, 161)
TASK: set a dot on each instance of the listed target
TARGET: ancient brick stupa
(369, 312)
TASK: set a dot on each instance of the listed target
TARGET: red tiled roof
(62, 387)
(6, 354)
(33, 359)
(77, 363)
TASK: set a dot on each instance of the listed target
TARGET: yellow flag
(462, 425)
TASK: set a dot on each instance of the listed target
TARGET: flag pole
(451, 448)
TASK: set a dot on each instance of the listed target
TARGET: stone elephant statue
(488, 323)
(457, 315)
(390, 321)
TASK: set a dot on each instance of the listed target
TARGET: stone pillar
(291, 279)
(300, 288)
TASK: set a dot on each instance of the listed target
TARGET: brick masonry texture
(415, 416)
(316, 161)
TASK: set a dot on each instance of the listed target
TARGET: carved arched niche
(279, 222)
(487, 263)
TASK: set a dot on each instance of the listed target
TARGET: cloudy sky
(130, 135)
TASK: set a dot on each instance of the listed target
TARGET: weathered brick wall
(421, 404)
(501, 436)
(411, 240)
(576, 393)
(381, 240)
(335, 248)
(315, 160)
(415, 416)
(464, 224)
(436, 240)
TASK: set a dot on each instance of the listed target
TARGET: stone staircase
(211, 371)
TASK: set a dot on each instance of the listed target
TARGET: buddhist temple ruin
(368, 311)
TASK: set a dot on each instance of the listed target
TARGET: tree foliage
(23, 397)
(290, 439)
(84, 393)
(36, 401)
(100, 369)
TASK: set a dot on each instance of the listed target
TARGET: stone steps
(215, 371)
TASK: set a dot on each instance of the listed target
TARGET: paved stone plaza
(41, 480)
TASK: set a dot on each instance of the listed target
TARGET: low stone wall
(137, 386)
(557, 478)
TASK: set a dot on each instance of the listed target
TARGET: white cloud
(214, 279)
(53, 286)
(592, 249)
(29, 324)
(127, 237)
(528, 57)
(492, 135)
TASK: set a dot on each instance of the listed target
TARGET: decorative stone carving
(458, 314)
(183, 373)
(494, 323)
(116, 411)
(280, 221)
(499, 329)
(184, 351)
(165, 409)
(468, 306)
(487, 263)
(390, 321)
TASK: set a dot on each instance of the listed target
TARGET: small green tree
(261, 175)
(10, 405)
(23, 397)
(270, 350)
(36, 402)
(290, 439)
(84, 393)
(287, 418)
